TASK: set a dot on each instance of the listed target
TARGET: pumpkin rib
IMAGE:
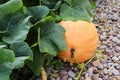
(82, 40)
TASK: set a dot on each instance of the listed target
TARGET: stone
(102, 37)
(71, 74)
(58, 78)
(87, 77)
(115, 39)
(65, 77)
(101, 75)
(117, 67)
(100, 66)
(117, 49)
(100, 79)
(103, 47)
(95, 77)
(52, 78)
(118, 43)
(109, 72)
(90, 71)
(117, 77)
(110, 63)
(63, 72)
(105, 71)
(105, 65)
(115, 72)
(95, 71)
(119, 57)
(96, 62)
(69, 78)
(115, 59)
(103, 42)
(118, 36)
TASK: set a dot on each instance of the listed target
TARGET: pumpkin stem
(72, 52)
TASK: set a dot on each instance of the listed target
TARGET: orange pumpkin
(82, 41)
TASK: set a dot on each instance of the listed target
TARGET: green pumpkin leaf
(3, 45)
(39, 59)
(76, 10)
(10, 7)
(6, 9)
(51, 37)
(37, 62)
(19, 62)
(6, 67)
(5, 71)
(38, 12)
(22, 49)
(18, 28)
(6, 55)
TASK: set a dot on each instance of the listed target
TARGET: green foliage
(76, 10)
(30, 34)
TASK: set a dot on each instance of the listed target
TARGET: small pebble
(117, 77)
(95, 71)
(115, 59)
(65, 77)
(90, 71)
(105, 71)
(63, 72)
(58, 78)
(87, 77)
(100, 66)
(71, 73)
(69, 78)
(115, 39)
(96, 62)
(117, 67)
(117, 49)
(118, 35)
(101, 75)
(115, 72)
(118, 43)
(103, 37)
(95, 77)
(119, 57)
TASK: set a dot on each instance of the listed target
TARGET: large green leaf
(6, 55)
(10, 7)
(38, 12)
(5, 71)
(18, 28)
(37, 62)
(40, 59)
(6, 68)
(4, 23)
(51, 37)
(76, 10)
(22, 49)
(6, 10)
(19, 62)
(8, 61)
(3, 45)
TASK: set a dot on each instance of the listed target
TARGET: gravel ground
(107, 21)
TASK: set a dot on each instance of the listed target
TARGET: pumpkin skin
(82, 40)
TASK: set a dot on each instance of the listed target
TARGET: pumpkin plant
(33, 32)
